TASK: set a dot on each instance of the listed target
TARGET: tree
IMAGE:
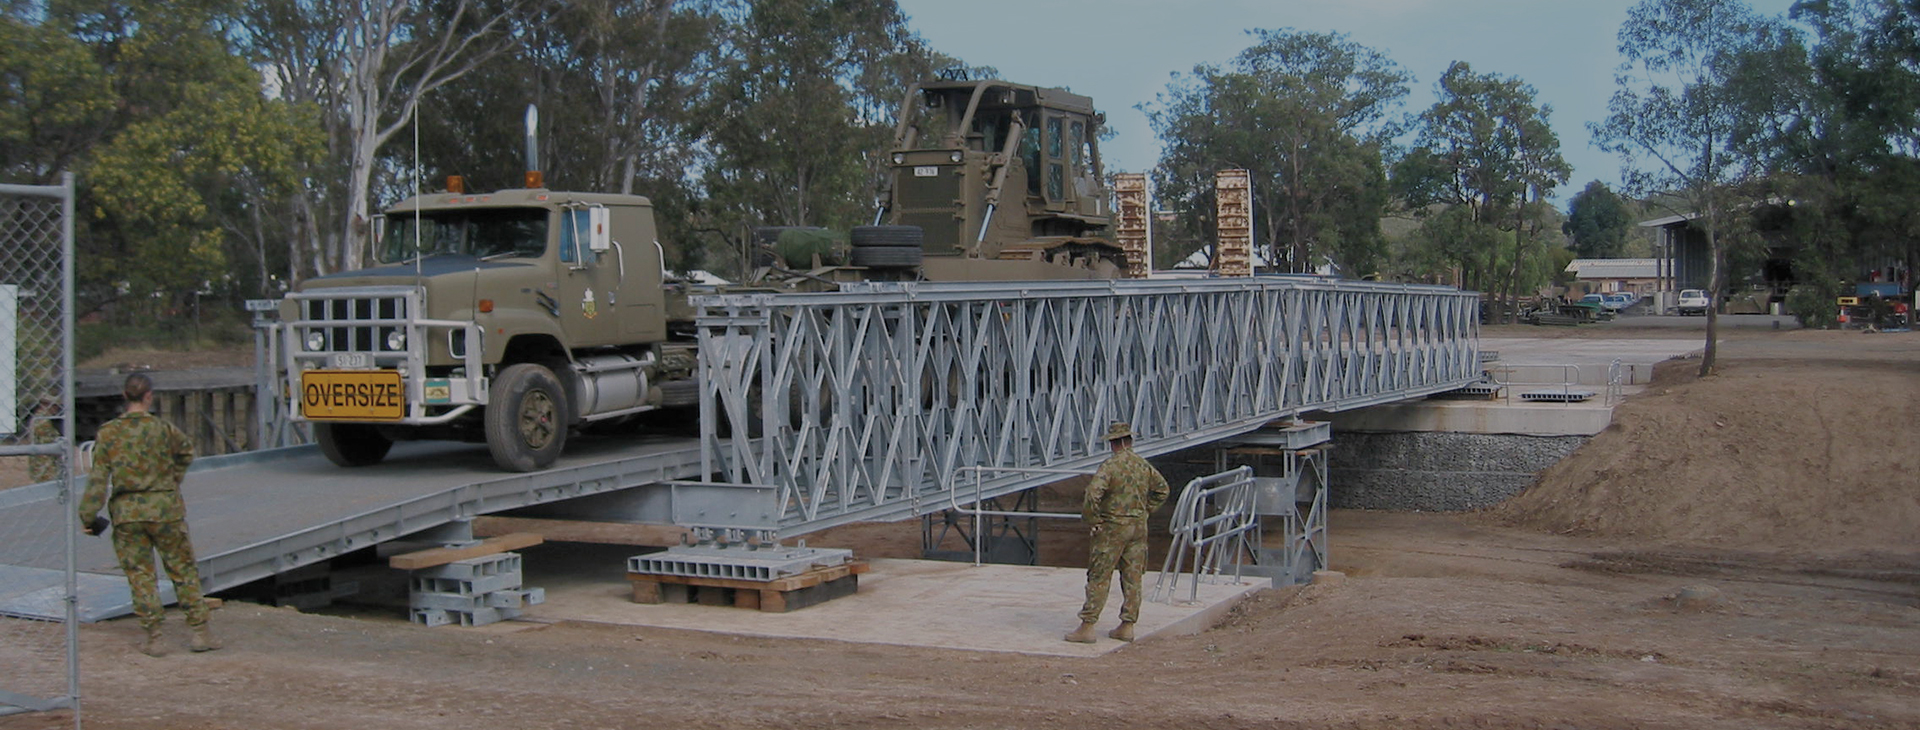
(1599, 222)
(801, 111)
(619, 86)
(173, 133)
(1486, 146)
(1673, 118)
(55, 101)
(366, 65)
(1307, 114)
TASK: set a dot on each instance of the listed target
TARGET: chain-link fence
(38, 639)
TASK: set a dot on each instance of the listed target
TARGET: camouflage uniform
(44, 468)
(1121, 495)
(144, 458)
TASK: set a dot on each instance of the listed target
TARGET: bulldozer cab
(980, 165)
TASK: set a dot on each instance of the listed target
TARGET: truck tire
(680, 393)
(526, 418)
(887, 257)
(881, 236)
(352, 444)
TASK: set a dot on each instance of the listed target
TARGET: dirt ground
(1737, 551)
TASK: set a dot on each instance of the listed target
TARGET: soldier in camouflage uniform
(1123, 492)
(46, 430)
(142, 459)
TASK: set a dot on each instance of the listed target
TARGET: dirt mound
(1811, 454)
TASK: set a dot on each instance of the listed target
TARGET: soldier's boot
(1123, 632)
(1084, 635)
(153, 645)
(203, 639)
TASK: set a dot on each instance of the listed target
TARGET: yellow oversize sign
(352, 395)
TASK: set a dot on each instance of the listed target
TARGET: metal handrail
(953, 498)
(1569, 376)
(1196, 529)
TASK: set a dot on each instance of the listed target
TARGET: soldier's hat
(1119, 430)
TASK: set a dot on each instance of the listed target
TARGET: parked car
(1611, 302)
(1692, 301)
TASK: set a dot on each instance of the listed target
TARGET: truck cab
(509, 317)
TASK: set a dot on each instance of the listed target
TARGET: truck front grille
(356, 323)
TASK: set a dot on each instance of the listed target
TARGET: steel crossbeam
(861, 404)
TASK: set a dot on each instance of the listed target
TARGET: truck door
(587, 280)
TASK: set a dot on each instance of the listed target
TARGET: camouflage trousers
(135, 543)
(1122, 546)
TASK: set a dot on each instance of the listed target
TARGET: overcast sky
(1121, 52)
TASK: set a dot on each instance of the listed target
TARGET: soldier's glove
(97, 526)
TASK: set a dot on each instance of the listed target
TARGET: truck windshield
(479, 232)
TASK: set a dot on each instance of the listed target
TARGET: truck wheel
(887, 257)
(351, 444)
(881, 236)
(680, 393)
(526, 418)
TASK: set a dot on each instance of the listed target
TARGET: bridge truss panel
(860, 405)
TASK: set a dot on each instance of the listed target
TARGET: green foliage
(55, 101)
(1486, 154)
(1599, 222)
(799, 116)
(1307, 114)
(1813, 303)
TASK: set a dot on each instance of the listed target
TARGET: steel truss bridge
(864, 404)
(824, 409)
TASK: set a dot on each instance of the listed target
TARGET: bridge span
(819, 410)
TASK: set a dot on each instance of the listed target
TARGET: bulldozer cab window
(481, 233)
(573, 237)
(1030, 154)
(1056, 174)
(991, 130)
(1077, 142)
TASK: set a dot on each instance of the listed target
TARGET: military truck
(519, 315)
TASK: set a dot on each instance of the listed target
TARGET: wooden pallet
(779, 595)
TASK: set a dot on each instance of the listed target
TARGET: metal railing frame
(1212, 521)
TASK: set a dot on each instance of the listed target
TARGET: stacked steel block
(1130, 188)
(471, 592)
(1233, 196)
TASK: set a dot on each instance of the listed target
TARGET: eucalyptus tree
(1674, 116)
(1486, 146)
(1309, 116)
(366, 66)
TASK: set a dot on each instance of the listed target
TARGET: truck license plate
(926, 171)
(352, 395)
(349, 360)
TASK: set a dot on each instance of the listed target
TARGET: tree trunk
(1716, 284)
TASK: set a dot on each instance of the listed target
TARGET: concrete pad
(929, 603)
(1590, 356)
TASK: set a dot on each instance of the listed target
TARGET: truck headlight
(316, 341)
(955, 156)
(397, 340)
(899, 159)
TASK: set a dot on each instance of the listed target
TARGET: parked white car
(1692, 301)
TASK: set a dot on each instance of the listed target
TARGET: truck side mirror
(379, 230)
(599, 229)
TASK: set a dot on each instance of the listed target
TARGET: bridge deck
(256, 515)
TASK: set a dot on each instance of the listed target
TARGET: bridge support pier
(1290, 478)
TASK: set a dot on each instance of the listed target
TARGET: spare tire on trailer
(887, 257)
(887, 236)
